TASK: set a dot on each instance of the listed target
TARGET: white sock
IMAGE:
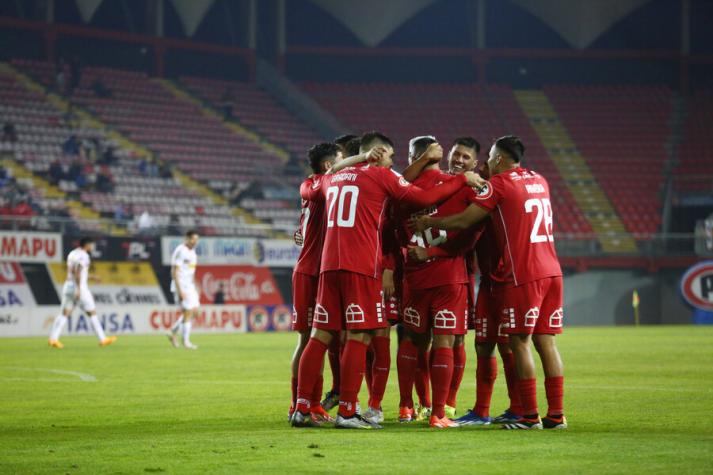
(57, 326)
(177, 326)
(187, 332)
(96, 324)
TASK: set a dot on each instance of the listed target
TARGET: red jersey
(521, 216)
(355, 204)
(312, 226)
(448, 269)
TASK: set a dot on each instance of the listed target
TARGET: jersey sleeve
(401, 190)
(176, 257)
(491, 195)
(311, 190)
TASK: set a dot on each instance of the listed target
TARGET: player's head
(506, 153)
(191, 238)
(352, 147)
(417, 146)
(376, 139)
(87, 244)
(322, 156)
(342, 142)
(463, 156)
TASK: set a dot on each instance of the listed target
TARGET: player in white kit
(75, 292)
(183, 286)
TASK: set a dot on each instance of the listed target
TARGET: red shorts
(304, 297)
(535, 307)
(443, 309)
(488, 326)
(349, 301)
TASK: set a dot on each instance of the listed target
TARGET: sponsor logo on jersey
(697, 286)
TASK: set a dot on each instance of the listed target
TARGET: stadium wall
(133, 296)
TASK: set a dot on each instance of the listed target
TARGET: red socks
(406, 364)
(352, 372)
(511, 379)
(317, 392)
(423, 379)
(459, 359)
(528, 395)
(379, 369)
(441, 374)
(369, 362)
(554, 388)
(310, 370)
(334, 347)
(485, 374)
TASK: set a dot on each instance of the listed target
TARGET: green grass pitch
(638, 400)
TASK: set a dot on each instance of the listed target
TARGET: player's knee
(321, 335)
(460, 340)
(484, 350)
(443, 341)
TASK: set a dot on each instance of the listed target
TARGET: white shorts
(85, 301)
(190, 301)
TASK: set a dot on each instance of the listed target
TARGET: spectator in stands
(100, 89)
(59, 82)
(120, 213)
(108, 157)
(5, 209)
(9, 134)
(75, 71)
(23, 209)
(105, 181)
(228, 102)
(56, 172)
(71, 146)
(4, 177)
(165, 170)
(219, 297)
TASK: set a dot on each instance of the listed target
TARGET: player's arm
(424, 198)
(348, 162)
(471, 215)
(310, 192)
(174, 274)
(417, 166)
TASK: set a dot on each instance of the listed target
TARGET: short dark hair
(343, 140)
(352, 147)
(191, 232)
(469, 142)
(372, 139)
(417, 147)
(512, 146)
(320, 153)
(85, 240)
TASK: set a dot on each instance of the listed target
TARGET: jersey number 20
(348, 195)
(544, 213)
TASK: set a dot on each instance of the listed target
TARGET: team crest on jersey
(403, 182)
(485, 192)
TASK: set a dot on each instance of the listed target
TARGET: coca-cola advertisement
(237, 285)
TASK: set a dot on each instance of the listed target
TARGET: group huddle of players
(383, 249)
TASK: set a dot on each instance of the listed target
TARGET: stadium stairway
(76, 208)
(572, 166)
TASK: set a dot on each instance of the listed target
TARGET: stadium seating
(256, 110)
(622, 132)
(447, 111)
(695, 152)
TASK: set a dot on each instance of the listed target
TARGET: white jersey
(78, 261)
(185, 261)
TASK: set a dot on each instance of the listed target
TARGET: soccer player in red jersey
(305, 276)
(435, 297)
(349, 294)
(527, 282)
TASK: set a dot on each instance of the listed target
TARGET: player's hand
(180, 296)
(76, 294)
(298, 238)
(387, 284)
(419, 224)
(434, 153)
(417, 253)
(376, 154)
(476, 181)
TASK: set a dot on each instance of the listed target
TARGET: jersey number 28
(544, 213)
